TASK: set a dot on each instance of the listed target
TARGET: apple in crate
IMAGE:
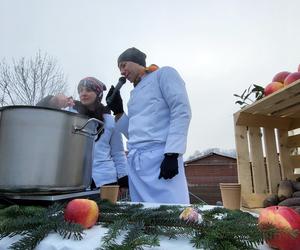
(272, 87)
(82, 211)
(280, 226)
(279, 77)
(292, 78)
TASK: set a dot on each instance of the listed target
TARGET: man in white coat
(156, 128)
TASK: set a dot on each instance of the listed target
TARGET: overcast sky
(219, 47)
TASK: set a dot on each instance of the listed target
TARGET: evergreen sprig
(114, 231)
(134, 237)
(32, 238)
(34, 224)
(131, 226)
(234, 230)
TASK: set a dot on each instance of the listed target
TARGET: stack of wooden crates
(267, 135)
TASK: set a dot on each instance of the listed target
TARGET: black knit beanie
(133, 55)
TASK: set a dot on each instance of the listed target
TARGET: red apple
(292, 78)
(279, 77)
(272, 87)
(287, 223)
(82, 211)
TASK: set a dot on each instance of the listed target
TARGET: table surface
(92, 239)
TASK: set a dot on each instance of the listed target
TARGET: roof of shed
(208, 155)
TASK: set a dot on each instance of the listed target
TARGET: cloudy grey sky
(219, 47)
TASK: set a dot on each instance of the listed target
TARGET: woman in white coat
(109, 159)
(156, 127)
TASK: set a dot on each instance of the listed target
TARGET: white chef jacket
(110, 162)
(109, 159)
(158, 119)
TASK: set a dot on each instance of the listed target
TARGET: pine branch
(19, 225)
(68, 230)
(32, 239)
(35, 223)
(134, 227)
(19, 219)
(16, 210)
(170, 232)
(135, 237)
(236, 230)
(221, 228)
(114, 231)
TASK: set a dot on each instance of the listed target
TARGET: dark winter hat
(133, 55)
(92, 83)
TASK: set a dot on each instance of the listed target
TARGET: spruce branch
(114, 231)
(131, 226)
(68, 230)
(35, 223)
(220, 229)
(136, 239)
(32, 238)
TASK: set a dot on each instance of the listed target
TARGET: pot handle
(81, 130)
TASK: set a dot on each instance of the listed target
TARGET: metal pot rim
(10, 107)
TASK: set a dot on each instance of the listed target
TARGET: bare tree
(28, 81)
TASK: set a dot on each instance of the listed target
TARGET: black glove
(123, 182)
(117, 103)
(169, 166)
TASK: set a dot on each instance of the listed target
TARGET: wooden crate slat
(292, 111)
(284, 153)
(258, 120)
(272, 159)
(289, 109)
(257, 159)
(243, 161)
(295, 123)
(253, 200)
(293, 141)
(274, 99)
(295, 115)
(283, 108)
(295, 161)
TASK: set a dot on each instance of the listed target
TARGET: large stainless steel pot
(44, 150)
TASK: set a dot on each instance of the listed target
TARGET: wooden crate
(267, 141)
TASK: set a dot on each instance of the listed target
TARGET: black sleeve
(123, 181)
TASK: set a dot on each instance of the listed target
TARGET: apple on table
(286, 221)
(82, 211)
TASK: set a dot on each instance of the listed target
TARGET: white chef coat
(158, 119)
(109, 159)
(110, 162)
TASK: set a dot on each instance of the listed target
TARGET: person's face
(87, 96)
(130, 70)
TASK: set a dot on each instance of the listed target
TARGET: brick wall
(205, 174)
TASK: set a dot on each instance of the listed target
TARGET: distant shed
(204, 174)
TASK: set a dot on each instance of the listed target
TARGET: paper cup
(110, 193)
(231, 195)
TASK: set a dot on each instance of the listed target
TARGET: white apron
(143, 175)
